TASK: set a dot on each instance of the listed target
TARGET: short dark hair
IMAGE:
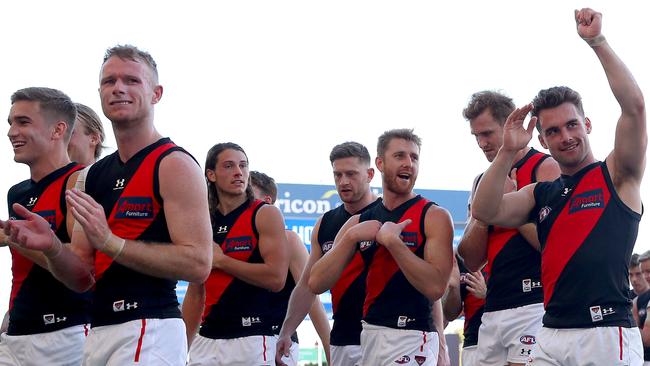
(54, 105)
(265, 184)
(350, 149)
(499, 105)
(400, 133)
(634, 261)
(210, 163)
(553, 97)
(133, 53)
(91, 124)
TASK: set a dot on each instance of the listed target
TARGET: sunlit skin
(564, 133)
(29, 133)
(128, 91)
(352, 179)
(637, 280)
(399, 166)
(488, 133)
(230, 173)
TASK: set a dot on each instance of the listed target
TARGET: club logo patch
(134, 208)
(596, 314)
(420, 360)
(48, 319)
(239, 244)
(587, 200)
(118, 306)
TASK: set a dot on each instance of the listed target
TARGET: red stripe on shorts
(86, 330)
(424, 341)
(264, 344)
(620, 343)
(137, 350)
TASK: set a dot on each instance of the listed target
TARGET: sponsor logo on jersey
(420, 360)
(527, 340)
(587, 200)
(134, 208)
(49, 216)
(402, 360)
(327, 246)
(543, 213)
(365, 244)
(239, 244)
(410, 239)
(222, 229)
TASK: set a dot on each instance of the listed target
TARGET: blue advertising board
(303, 204)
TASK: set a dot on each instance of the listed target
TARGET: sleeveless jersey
(281, 304)
(587, 235)
(349, 291)
(391, 301)
(234, 308)
(39, 303)
(514, 265)
(473, 308)
(642, 312)
(129, 193)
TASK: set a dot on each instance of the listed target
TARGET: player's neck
(133, 137)
(48, 164)
(228, 203)
(392, 200)
(354, 207)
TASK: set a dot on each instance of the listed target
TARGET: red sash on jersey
(568, 233)
(48, 206)
(383, 266)
(136, 208)
(240, 243)
(349, 275)
(500, 236)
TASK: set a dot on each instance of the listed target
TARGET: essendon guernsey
(39, 303)
(233, 307)
(473, 308)
(515, 266)
(349, 291)
(129, 193)
(587, 235)
(391, 301)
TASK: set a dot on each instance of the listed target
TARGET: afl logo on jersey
(365, 244)
(239, 244)
(327, 246)
(543, 213)
(403, 360)
(134, 208)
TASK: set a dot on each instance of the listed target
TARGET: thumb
(513, 174)
(21, 211)
(404, 223)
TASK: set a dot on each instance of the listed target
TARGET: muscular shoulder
(548, 170)
(179, 174)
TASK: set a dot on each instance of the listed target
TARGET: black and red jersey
(349, 291)
(391, 301)
(587, 235)
(129, 193)
(235, 308)
(39, 303)
(514, 265)
(473, 307)
(642, 312)
(280, 301)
